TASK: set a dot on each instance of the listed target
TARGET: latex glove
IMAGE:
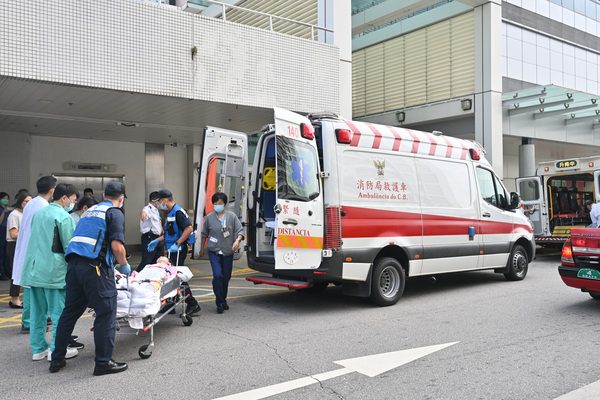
(125, 269)
(174, 248)
(152, 245)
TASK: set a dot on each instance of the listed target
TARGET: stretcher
(142, 309)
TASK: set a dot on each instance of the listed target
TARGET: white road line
(589, 392)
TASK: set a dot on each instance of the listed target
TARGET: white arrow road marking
(369, 365)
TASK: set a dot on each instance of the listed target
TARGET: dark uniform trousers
(84, 287)
(148, 257)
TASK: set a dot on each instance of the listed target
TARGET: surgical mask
(70, 207)
(161, 206)
(4, 202)
(219, 208)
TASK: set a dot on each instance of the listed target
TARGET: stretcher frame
(149, 321)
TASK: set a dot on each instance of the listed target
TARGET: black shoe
(13, 305)
(112, 367)
(220, 309)
(74, 337)
(56, 366)
(225, 306)
(76, 345)
(194, 309)
(24, 330)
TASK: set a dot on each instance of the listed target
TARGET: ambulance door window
(491, 189)
(297, 170)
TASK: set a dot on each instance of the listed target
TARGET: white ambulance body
(365, 205)
(557, 196)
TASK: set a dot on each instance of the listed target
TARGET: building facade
(518, 76)
(121, 90)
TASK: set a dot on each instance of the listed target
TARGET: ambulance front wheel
(387, 283)
(517, 264)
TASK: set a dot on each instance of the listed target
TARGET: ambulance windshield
(296, 170)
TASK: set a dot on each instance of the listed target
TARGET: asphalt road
(534, 339)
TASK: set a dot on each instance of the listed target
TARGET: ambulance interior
(567, 195)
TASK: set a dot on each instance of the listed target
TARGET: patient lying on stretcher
(143, 297)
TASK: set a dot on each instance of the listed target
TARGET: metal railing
(225, 7)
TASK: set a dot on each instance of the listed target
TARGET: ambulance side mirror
(514, 200)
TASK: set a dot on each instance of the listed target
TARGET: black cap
(114, 189)
(165, 194)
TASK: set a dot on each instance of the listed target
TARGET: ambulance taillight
(343, 136)
(307, 131)
(333, 228)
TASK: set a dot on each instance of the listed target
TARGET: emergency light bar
(475, 154)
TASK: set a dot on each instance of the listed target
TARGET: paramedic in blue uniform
(176, 236)
(151, 229)
(98, 239)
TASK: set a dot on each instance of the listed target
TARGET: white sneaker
(70, 353)
(40, 356)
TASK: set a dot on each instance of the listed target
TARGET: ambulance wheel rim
(519, 262)
(389, 281)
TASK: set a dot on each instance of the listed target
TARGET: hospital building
(93, 91)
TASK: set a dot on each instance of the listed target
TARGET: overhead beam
(562, 112)
(541, 106)
(583, 119)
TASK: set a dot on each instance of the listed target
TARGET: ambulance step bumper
(269, 280)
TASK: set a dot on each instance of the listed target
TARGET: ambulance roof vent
(323, 115)
(268, 127)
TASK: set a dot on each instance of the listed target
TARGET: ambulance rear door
(596, 185)
(532, 193)
(299, 201)
(223, 168)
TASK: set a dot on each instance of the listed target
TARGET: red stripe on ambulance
(377, 140)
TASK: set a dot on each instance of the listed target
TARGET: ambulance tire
(517, 264)
(387, 281)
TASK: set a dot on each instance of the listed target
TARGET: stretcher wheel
(142, 352)
(187, 320)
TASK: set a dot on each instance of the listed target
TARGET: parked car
(580, 261)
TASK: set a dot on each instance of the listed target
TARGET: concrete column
(342, 37)
(488, 81)
(155, 168)
(526, 158)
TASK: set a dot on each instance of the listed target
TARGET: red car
(580, 259)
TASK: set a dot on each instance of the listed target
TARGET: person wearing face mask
(45, 268)
(151, 229)
(222, 234)
(99, 238)
(45, 188)
(177, 234)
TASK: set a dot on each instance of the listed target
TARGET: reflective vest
(88, 239)
(172, 231)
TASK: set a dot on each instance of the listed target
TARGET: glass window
(296, 170)
(529, 190)
(486, 186)
(580, 7)
(569, 4)
(491, 188)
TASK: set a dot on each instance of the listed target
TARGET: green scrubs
(44, 272)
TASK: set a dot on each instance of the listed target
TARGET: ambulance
(556, 197)
(361, 205)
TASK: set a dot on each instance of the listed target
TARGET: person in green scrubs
(45, 268)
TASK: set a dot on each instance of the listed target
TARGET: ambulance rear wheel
(387, 283)
(517, 264)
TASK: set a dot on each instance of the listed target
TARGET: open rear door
(299, 202)
(597, 186)
(223, 168)
(532, 193)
